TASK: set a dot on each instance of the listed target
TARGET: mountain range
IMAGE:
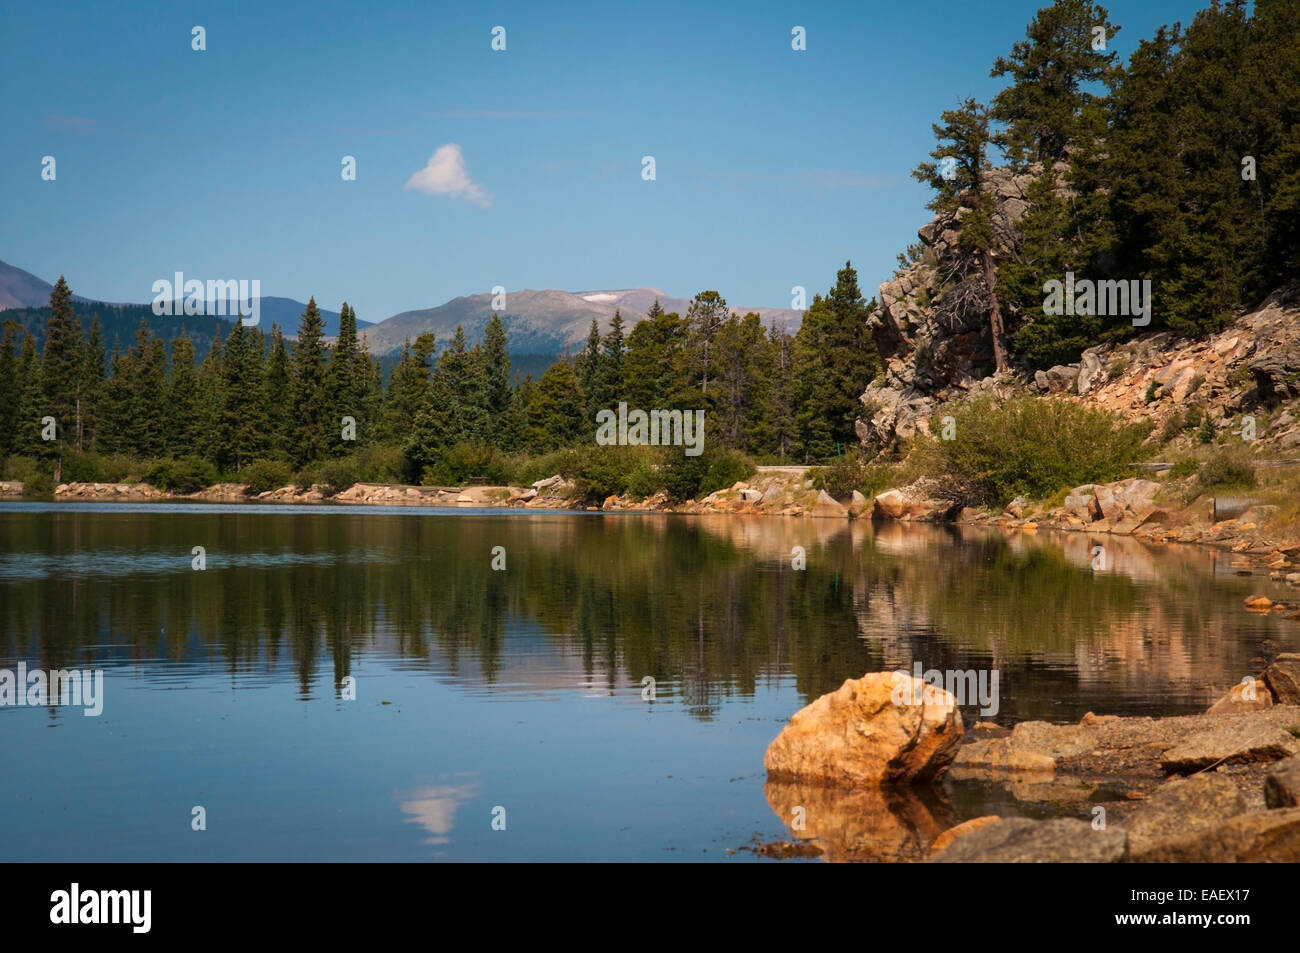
(538, 322)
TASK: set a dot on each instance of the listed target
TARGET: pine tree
(611, 386)
(958, 179)
(242, 423)
(440, 422)
(61, 367)
(210, 374)
(704, 320)
(554, 413)
(496, 383)
(852, 355)
(653, 357)
(406, 390)
(184, 407)
(741, 362)
(778, 419)
(115, 426)
(1041, 108)
(348, 382)
(278, 395)
(31, 389)
(312, 426)
(588, 372)
(815, 389)
(92, 384)
(11, 389)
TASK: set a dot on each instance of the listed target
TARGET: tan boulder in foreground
(883, 727)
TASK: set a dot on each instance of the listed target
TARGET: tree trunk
(995, 315)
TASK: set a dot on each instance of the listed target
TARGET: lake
(361, 684)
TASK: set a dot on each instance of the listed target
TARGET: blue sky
(773, 166)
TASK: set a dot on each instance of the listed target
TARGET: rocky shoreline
(1132, 508)
(783, 492)
(862, 773)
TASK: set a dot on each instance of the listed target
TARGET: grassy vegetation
(1029, 446)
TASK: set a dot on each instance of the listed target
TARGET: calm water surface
(522, 688)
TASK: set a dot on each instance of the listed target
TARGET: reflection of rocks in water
(890, 823)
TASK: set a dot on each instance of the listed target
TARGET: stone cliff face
(931, 326)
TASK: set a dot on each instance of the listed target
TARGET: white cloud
(445, 175)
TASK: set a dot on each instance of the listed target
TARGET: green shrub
(263, 475)
(184, 475)
(646, 476)
(840, 477)
(381, 463)
(1150, 395)
(528, 470)
(84, 467)
(1228, 468)
(1207, 431)
(468, 460)
(682, 476)
(36, 479)
(1182, 469)
(333, 476)
(725, 467)
(1031, 446)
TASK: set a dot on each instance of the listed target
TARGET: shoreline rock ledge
(860, 734)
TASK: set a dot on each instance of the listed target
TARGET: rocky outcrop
(222, 493)
(931, 324)
(916, 503)
(11, 488)
(883, 727)
(109, 491)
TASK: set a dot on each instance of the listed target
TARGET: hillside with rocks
(935, 343)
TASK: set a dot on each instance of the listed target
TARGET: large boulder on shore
(883, 727)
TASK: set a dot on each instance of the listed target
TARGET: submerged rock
(962, 829)
(883, 727)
